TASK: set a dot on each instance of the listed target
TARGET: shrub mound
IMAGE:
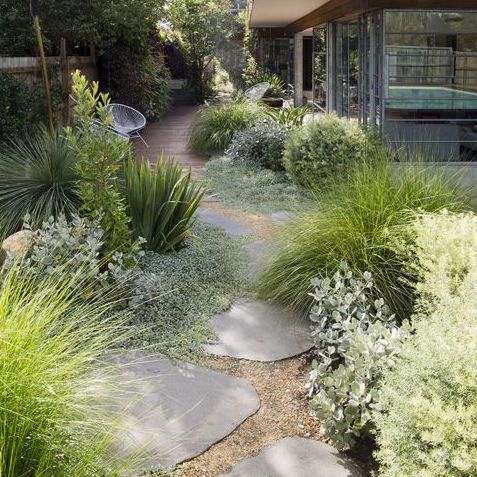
(429, 399)
(216, 124)
(354, 222)
(325, 149)
(261, 144)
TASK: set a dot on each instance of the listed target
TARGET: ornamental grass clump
(216, 124)
(359, 220)
(161, 203)
(52, 420)
(37, 178)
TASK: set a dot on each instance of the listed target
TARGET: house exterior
(405, 67)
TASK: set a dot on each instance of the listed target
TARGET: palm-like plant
(161, 203)
(37, 177)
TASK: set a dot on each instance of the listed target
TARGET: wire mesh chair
(257, 91)
(127, 120)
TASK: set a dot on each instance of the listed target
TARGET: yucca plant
(359, 220)
(216, 124)
(161, 203)
(52, 421)
(37, 177)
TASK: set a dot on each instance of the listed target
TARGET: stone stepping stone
(218, 220)
(259, 331)
(296, 457)
(174, 410)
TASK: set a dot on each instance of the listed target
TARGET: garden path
(170, 136)
(280, 439)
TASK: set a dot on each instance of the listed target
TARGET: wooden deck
(169, 137)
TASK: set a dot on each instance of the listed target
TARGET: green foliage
(101, 23)
(355, 221)
(277, 85)
(325, 149)
(61, 248)
(261, 144)
(249, 187)
(216, 124)
(291, 117)
(182, 290)
(38, 178)
(442, 253)
(138, 79)
(206, 28)
(19, 109)
(100, 159)
(356, 339)
(427, 426)
(52, 422)
(161, 203)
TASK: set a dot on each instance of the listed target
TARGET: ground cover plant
(161, 203)
(354, 222)
(178, 292)
(262, 144)
(52, 422)
(325, 149)
(426, 426)
(38, 178)
(216, 124)
(244, 185)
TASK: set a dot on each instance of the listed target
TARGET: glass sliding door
(371, 70)
(320, 72)
(345, 66)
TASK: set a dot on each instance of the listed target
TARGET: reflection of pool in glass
(430, 98)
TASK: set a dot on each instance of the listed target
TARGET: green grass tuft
(216, 124)
(356, 221)
(51, 421)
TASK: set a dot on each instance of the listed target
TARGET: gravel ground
(283, 413)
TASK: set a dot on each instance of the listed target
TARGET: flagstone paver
(174, 410)
(233, 227)
(259, 331)
(296, 457)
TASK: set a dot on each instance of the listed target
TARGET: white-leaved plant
(61, 248)
(355, 338)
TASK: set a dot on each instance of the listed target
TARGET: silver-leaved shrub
(60, 248)
(356, 339)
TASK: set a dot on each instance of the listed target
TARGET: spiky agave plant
(52, 422)
(161, 203)
(37, 177)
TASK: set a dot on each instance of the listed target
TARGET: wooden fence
(28, 69)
